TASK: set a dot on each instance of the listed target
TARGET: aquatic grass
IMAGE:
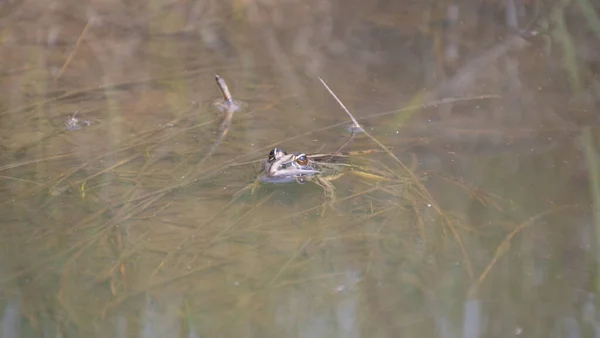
(303, 212)
(196, 229)
(125, 213)
(222, 235)
(75, 48)
(153, 285)
(593, 166)
(108, 169)
(195, 176)
(562, 35)
(421, 188)
(211, 299)
(589, 12)
(146, 139)
(128, 211)
(62, 253)
(294, 255)
(505, 246)
(486, 198)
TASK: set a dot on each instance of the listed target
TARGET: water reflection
(134, 224)
(11, 320)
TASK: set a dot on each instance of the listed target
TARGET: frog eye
(275, 153)
(302, 159)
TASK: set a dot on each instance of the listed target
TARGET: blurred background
(124, 201)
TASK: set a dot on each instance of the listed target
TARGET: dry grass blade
(504, 247)
(21, 164)
(111, 168)
(70, 58)
(54, 189)
(20, 180)
(355, 123)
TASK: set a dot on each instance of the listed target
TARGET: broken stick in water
(224, 89)
(227, 105)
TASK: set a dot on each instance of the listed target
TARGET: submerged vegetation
(128, 203)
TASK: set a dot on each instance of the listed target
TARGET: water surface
(125, 209)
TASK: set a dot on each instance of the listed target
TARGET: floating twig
(224, 89)
(229, 106)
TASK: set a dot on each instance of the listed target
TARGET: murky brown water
(129, 221)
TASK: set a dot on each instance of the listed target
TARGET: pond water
(129, 205)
